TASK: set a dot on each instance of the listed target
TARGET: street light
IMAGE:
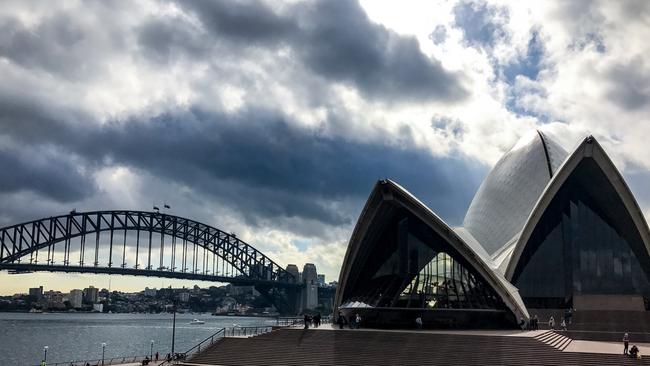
(151, 352)
(103, 350)
(173, 326)
(45, 353)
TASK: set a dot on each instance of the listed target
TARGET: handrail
(183, 356)
(248, 331)
(221, 333)
(94, 362)
(227, 332)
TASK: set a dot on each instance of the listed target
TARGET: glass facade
(413, 267)
(585, 243)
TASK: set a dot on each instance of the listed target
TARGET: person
(535, 322)
(144, 362)
(307, 320)
(341, 320)
(563, 325)
(522, 324)
(317, 320)
(357, 321)
(551, 323)
(43, 363)
(634, 352)
(157, 356)
(626, 343)
(418, 322)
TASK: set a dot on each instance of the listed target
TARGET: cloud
(337, 41)
(45, 172)
(630, 84)
(260, 162)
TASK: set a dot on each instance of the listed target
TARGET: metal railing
(98, 362)
(248, 331)
(295, 321)
(221, 333)
(288, 321)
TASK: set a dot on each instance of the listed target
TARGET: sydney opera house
(547, 229)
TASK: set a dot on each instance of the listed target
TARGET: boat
(196, 321)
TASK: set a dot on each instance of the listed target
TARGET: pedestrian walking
(307, 320)
(563, 325)
(418, 322)
(357, 321)
(626, 343)
(551, 323)
(341, 320)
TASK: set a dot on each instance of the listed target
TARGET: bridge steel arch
(21, 244)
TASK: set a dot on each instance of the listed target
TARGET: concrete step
(298, 347)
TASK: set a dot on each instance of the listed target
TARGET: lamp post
(45, 353)
(151, 352)
(103, 352)
(173, 328)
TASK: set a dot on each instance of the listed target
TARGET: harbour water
(79, 336)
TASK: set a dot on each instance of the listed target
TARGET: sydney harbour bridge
(141, 243)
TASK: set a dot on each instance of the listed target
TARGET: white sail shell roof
(506, 197)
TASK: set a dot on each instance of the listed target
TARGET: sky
(274, 120)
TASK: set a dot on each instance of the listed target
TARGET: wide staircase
(602, 325)
(403, 348)
(555, 340)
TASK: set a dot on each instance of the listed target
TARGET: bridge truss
(139, 243)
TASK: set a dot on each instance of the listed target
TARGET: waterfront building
(36, 293)
(184, 297)
(150, 292)
(75, 298)
(91, 295)
(547, 229)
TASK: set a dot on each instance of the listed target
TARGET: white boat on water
(196, 321)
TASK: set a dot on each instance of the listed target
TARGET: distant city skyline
(13, 284)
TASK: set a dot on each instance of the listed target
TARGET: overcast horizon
(274, 120)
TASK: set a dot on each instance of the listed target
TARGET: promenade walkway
(332, 346)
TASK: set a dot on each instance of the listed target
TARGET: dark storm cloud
(261, 163)
(43, 172)
(477, 21)
(336, 40)
(51, 46)
(630, 85)
(247, 21)
(255, 161)
(163, 39)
